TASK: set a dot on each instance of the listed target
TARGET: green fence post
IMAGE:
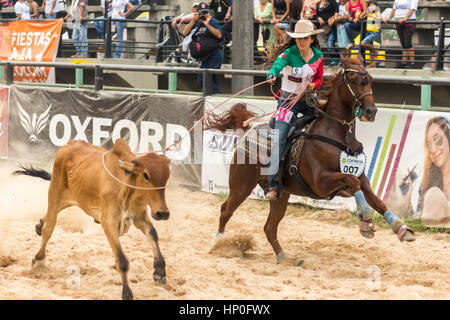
(425, 96)
(78, 77)
(172, 82)
(2, 73)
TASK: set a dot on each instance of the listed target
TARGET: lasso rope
(177, 143)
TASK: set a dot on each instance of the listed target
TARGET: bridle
(357, 107)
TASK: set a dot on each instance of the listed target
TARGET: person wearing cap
(301, 62)
(185, 18)
(207, 26)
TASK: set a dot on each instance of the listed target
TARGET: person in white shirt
(404, 11)
(118, 6)
(22, 11)
(51, 8)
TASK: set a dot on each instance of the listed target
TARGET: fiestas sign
(31, 41)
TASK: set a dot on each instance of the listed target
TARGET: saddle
(259, 139)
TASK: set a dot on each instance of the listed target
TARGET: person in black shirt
(326, 12)
(220, 8)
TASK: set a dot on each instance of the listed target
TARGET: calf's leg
(110, 223)
(143, 223)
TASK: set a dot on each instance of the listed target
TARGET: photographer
(206, 36)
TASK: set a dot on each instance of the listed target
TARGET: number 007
(351, 169)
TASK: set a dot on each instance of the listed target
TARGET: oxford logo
(33, 125)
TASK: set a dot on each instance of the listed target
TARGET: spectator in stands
(34, 9)
(207, 27)
(295, 10)
(79, 12)
(21, 10)
(185, 18)
(220, 8)
(118, 7)
(309, 9)
(326, 12)
(6, 3)
(403, 11)
(263, 11)
(373, 31)
(51, 8)
(343, 16)
(280, 12)
(357, 10)
(100, 24)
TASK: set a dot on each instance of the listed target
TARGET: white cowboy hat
(303, 29)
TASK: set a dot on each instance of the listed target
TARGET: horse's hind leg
(403, 231)
(242, 180)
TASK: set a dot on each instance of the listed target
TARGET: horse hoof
(367, 228)
(159, 279)
(367, 234)
(127, 294)
(405, 233)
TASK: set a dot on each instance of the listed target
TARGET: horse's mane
(333, 81)
(232, 119)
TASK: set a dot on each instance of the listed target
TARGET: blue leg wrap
(390, 217)
(363, 206)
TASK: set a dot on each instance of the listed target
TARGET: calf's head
(149, 171)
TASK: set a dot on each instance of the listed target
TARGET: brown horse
(318, 163)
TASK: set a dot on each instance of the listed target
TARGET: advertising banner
(42, 120)
(31, 41)
(406, 163)
(4, 107)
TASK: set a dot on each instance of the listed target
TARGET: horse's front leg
(402, 230)
(351, 184)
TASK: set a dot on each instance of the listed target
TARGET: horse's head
(357, 88)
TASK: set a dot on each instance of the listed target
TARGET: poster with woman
(422, 182)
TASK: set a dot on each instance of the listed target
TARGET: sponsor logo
(225, 143)
(35, 124)
(143, 137)
(354, 165)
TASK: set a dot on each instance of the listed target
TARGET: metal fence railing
(164, 44)
(207, 73)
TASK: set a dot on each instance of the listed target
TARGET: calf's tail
(33, 172)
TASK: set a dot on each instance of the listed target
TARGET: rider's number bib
(284, 115)
(354, 165)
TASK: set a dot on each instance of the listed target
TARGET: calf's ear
(129, 167)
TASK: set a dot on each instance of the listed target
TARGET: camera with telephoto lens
(202, 15)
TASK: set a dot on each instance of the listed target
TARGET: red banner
(4, 106)
(31, 41)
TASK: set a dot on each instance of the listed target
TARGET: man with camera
(206, 43)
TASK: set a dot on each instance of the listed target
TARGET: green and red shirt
(296, 71)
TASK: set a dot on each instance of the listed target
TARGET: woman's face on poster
(438, 145)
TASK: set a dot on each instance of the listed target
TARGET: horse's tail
(232, 119)
(33, 172)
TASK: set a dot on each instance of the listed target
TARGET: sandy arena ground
(338, 262)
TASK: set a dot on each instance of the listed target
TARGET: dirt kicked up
(338, 262)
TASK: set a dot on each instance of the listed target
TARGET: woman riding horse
(301, 62)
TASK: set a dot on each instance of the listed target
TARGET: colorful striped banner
(399, 154)
(374, 157)
(386, 169)
(383, 152)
